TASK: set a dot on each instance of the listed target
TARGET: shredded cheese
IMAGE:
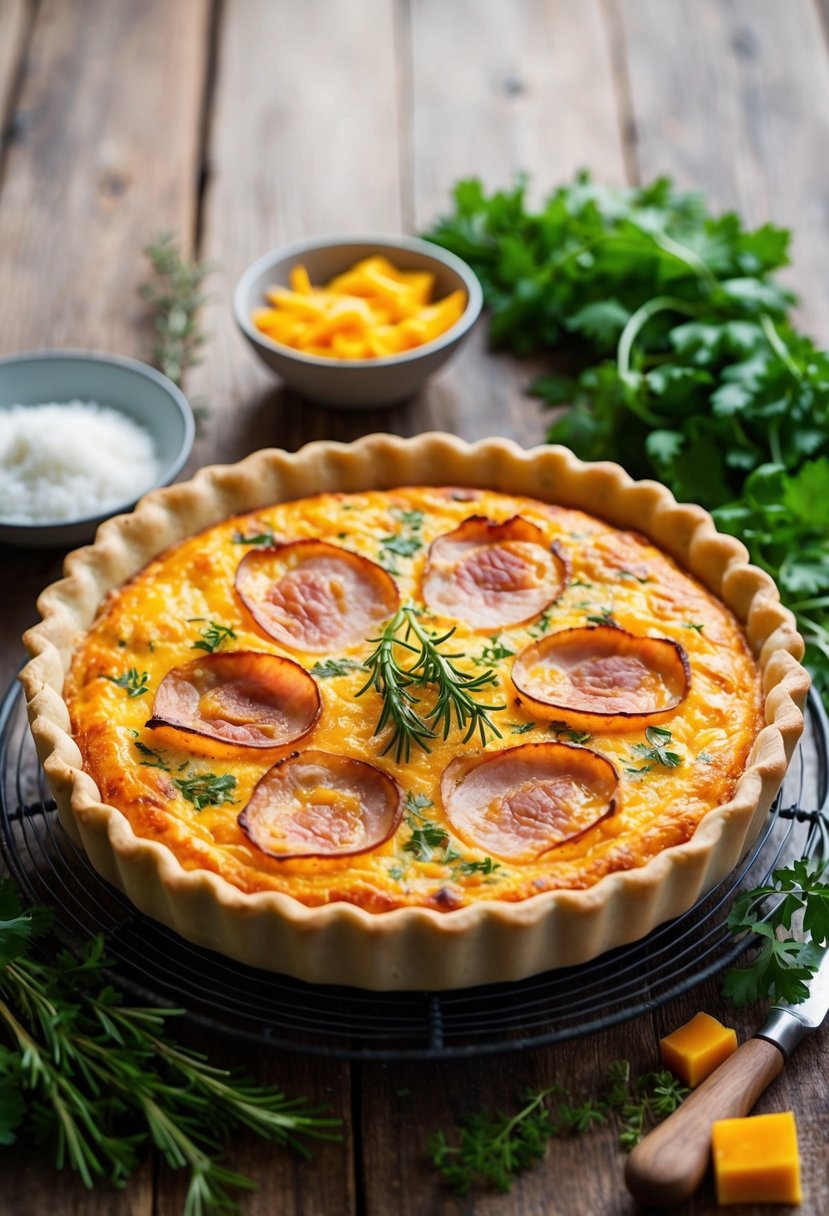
(63, 461)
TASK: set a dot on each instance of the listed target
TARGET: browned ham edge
(313, 596)
(520, 803)
(318, 804)
(244, 698)
(601, 678)
(493, 575)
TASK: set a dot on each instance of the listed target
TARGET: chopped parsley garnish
(410, 519)
(560, 729)
(206, 789)
(328, 668)
(521, 728)
(212, 636)
(154, 759)
(486, 866)
(132, 682)
(705, 758)
(493, 652)
(603, 618)
(692, 625)
(255, 538)
(655, 750)
(630, 574)
(427, 835)
(541, 626)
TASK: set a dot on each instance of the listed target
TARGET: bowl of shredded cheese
(359, 321)
(82, 437)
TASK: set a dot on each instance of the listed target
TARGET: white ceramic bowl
(133, 388)
(356, 383)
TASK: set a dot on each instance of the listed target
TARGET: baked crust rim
(410, 948)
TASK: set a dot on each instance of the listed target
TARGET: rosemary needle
(432, 668)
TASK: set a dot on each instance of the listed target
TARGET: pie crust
(413, 947)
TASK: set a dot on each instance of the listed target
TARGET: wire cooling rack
(274, 1010)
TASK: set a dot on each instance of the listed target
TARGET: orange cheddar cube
(694, 1050)
(756, 1159)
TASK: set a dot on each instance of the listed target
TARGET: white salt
(62, 461)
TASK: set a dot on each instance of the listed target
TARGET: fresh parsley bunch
(676, 356)
(101, 1080)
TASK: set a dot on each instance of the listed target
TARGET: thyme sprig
(174, 293)
(212, 636)
(101, 1081)
(431, 668)
(489, 1149)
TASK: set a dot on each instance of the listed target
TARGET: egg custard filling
(423, 697)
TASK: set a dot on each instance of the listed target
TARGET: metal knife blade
(787, 1024)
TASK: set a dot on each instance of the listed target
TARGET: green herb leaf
(432, 668)
(562, 731)
(783, 964)
(266, 539)
(328, 668)
(175, 295)
(135, 684)
(153, 759)
(206, 789)
(655, 750)
(212, 636)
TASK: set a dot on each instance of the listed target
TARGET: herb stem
(636, 324)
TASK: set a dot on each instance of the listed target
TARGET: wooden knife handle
(668, 1165)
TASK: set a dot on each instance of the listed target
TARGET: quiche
(414, 713)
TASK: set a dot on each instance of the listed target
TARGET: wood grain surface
(244, 124)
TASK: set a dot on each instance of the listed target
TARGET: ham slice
(244, 698)
(316, 804)
(603, 678)
(315, 597)
(519, 803)
(492, 575)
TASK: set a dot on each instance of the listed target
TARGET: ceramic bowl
(356, 383)
(133, 388)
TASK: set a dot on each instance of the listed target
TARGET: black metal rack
(274, 1010)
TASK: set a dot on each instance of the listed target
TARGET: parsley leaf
(134, 683)
(206, 789)
(689, 367)
(655, 750)
(212, 636)
(783, 964)
(328, 668)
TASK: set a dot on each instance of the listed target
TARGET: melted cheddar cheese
(157, 620)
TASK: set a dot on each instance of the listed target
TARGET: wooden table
(242, 124)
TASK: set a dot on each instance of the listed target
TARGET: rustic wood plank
(86, 183)
(15, 17)
(105, 154)
(755, 73)
(514, 100)
(304, 141)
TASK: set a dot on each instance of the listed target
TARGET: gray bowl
(138, 391)
(356, 383)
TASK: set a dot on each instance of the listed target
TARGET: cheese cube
(694, 1050)
(756, 1159)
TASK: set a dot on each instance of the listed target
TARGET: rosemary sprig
(174, 292)
(102, 1081)
(431, 668)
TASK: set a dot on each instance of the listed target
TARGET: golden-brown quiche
(413, 713)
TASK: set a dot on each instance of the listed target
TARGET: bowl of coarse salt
(82, 437)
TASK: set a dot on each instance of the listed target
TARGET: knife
(668, 1165)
